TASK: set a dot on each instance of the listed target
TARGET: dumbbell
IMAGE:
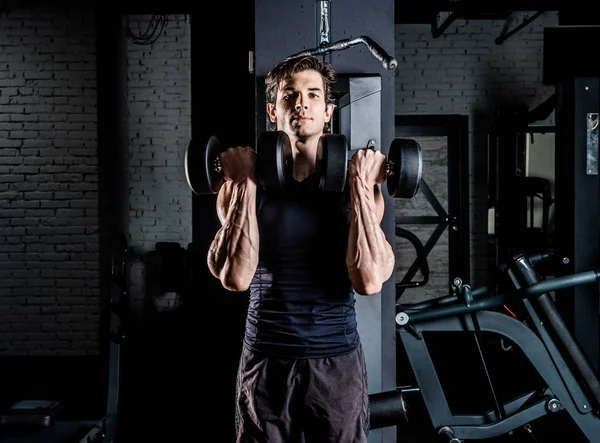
(204, 172)
(404, 165)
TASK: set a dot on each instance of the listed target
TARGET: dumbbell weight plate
(274, 157)
(404, 176)
(332, 162)
(202, 175)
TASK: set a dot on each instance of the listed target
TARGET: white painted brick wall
(159, 101)
(48, 184)
(465, 72)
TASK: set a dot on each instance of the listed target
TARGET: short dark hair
(288, 67)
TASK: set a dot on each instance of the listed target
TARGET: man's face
(300, 109)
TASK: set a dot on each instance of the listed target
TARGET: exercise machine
(523, 319)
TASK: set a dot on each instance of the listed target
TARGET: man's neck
(304, 152)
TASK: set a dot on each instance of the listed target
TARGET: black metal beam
(425, 12)
(438, 29)
(507, 34)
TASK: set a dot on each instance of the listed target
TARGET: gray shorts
(279, 399)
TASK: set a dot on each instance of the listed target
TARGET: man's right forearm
(233, 254)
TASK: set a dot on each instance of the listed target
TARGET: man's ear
(271, 112)
(329, 112)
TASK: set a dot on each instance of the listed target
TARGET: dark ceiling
(571, 12)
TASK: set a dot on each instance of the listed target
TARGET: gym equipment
(204, 172)
(404, 166)
(326, 47)
(40, 420)
(274, 159)
(275, 164)
(568, 388)
(421, 262)
(209, 179)
(378, 52)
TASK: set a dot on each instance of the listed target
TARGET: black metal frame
(438, 29)
(456, 129)
(473, 311)
(577, 86)
(577, 209)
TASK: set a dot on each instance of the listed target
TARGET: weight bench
(34, 421)
(33, 411)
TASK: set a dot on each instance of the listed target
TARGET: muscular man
(304, 255)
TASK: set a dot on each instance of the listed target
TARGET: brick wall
(159, 99)
(49, 220)
(465, 72)
(48, 184)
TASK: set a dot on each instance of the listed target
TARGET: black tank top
(301, 298)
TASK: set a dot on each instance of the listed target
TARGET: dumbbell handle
(389, 166)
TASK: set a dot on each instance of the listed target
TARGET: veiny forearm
(370, 258)
(233, 254)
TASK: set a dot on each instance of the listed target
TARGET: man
(303, 254)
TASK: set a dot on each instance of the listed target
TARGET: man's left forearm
(370, 257)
